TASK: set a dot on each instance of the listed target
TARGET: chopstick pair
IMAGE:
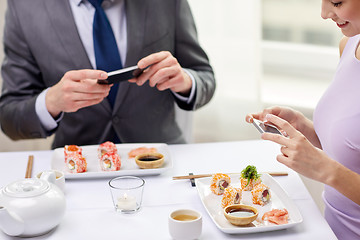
(29, 167)
(190, 176)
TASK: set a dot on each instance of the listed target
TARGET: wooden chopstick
(209, 175)
(29, 166)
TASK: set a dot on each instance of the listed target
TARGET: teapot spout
(10, 224)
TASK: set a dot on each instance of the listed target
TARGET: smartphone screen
(262, 127)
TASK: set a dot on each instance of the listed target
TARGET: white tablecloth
(90, 213)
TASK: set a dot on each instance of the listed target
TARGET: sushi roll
(106, 147)
(76, 163)
(261, 194)
(249, 178)
(72, 149)
(110, 162)
(247, 185)
(219, 182)
(231, 196)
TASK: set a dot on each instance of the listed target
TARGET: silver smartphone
(264, 127)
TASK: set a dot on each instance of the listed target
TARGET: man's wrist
(46, 119)
(191, 94)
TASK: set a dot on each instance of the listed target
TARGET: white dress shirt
(83, 12)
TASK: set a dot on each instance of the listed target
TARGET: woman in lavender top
(328, 149)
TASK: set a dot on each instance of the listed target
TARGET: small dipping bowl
(240, 215)
(149, 160)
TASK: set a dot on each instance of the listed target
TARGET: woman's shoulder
(348, 42)
(342, 44)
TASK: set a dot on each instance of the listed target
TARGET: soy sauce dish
(240, 215)
(149, 160)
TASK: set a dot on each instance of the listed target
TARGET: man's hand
(163, 72)
(77, 89)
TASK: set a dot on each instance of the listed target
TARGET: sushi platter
(128, 165)
(279, 200)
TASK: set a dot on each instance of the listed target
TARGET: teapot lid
(29, 187)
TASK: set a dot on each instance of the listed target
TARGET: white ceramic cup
(54, 176)
(183, 227)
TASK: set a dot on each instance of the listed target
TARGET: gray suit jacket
(42, 43)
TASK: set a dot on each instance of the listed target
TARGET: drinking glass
(127, 192)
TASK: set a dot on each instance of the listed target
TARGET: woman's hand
(303, 157)
(297, 151)
(293, 117)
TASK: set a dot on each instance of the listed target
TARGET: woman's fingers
(283, 125)
(284, 150)
(277, 138)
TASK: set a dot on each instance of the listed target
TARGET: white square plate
(279, 200)
(128, 166)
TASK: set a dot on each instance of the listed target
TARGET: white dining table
(90, 213)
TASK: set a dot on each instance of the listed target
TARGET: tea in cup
(54, 176)
(185, 224)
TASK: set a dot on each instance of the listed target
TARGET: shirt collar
(78, 2)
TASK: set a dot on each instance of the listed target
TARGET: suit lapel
(135, 18)
(135, 21)
(63, 23)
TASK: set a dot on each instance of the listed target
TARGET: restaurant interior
(259, 56)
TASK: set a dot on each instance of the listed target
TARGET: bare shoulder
(342, 44)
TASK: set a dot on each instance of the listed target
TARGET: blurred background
(264, 53)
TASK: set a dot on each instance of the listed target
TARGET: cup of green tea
(185, 224)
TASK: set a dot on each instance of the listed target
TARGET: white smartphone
(264, 127)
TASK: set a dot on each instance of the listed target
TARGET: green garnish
(249, 173)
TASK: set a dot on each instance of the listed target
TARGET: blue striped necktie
(106, 51)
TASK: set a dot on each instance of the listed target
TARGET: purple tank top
(337, 124)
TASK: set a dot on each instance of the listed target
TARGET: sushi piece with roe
(231, 196)
(261, 194)
(76, 163)
(106, 147)
(219, 182)
(72, 149)
(110, 161)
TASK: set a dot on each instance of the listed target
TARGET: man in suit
(50, 85)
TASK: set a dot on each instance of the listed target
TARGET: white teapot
(30, 207)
